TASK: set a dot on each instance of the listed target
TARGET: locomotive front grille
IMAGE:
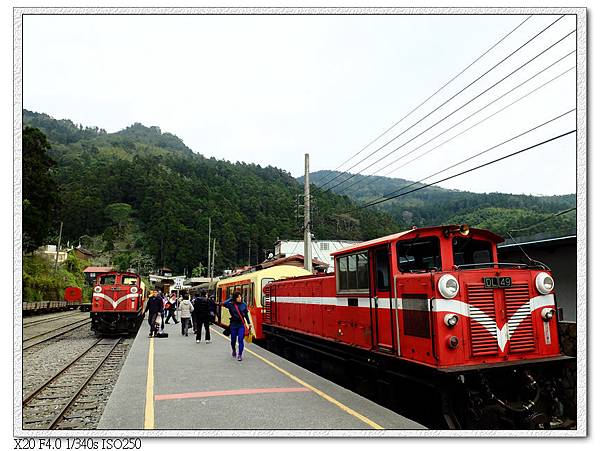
(482, 311)
(520, 325)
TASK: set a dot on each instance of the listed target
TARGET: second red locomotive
(433, 311)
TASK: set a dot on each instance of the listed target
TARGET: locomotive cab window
(352, 273)
(421, 254)
(382, 268)
(107, 280)
(468, 251)
(129, 280)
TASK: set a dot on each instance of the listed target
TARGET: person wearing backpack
(202, 317)
(238, 322)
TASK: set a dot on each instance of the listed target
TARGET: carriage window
(129, 280)
(251, 295)
(107, 280)
(422, 254)
(353, 272)
(246, 293)
(468, 251)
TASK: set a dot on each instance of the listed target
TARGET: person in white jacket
(185, 312)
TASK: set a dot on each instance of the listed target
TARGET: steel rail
(59, 373)
(54, 318)
(76, 326)
(58, 417)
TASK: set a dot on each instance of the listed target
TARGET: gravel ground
(43, 361)
(50, 326)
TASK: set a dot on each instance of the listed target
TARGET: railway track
(53, 318)
(35, 340)
(73, 398)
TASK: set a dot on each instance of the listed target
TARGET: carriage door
(381, 299)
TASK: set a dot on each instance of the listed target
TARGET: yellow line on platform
(323, 395)
(149, 411)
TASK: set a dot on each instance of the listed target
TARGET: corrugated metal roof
(98, 269)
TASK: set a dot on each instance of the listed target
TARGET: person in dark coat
(154, 307)
(239, 312)
(202, 316)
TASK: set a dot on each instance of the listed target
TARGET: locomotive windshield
(108, 280)
(468, 251)
(129, 280)
(422, 254)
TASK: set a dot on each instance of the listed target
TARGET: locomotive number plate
(497, 282)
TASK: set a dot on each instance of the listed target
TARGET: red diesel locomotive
(118, 302)
(429, 318)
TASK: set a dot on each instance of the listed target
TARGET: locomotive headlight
(547, 313)
(544, 283)
(448, 286)
(133, 290)
(97, 289)
(451, 319)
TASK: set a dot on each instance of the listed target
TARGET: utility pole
(212, 264)
(249, 252)
(58, 247)
(208, 261)
(307, 236)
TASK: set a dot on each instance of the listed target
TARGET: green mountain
(141, 198)
(499, 212)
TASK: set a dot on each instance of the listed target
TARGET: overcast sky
(267, 89)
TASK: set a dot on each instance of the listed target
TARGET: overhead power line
(483, 152)
(459, 108)
(441, 105)
(463, 172)
(362, 180)
(427, 99)
(560, 213)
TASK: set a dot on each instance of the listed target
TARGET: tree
(198, 270)
(40, 192)
(119, 213)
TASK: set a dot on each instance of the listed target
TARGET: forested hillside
(499, 212)
(143, 199)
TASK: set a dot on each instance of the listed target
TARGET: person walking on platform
(239, 315)
(185, 312)
(194, 322)
(171, 308)
(154, 306)
(202, 317)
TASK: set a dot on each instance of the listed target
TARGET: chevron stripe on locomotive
(430, 308)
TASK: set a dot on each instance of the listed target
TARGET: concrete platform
(175, 383)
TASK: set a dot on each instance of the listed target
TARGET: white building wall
(321, 249)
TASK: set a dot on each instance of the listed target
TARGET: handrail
(492, 264)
